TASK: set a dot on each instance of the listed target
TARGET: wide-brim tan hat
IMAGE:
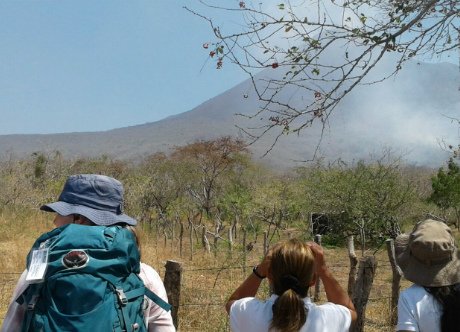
(428, 256)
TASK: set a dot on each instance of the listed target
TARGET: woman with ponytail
(291, 268)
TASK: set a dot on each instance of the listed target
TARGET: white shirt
(252, 314)
(418, 311)
(157, 319)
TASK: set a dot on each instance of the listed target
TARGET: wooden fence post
(181, 238)
(157, 233)
(204, 241)
(244, 252)
(265, 242)
(353, 265)
(191, 241)
(397, 273)
(317, 296)
(366, 273)
(172, 282)
(230, 241)
(173, 234)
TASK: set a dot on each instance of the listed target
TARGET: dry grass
(208, 279)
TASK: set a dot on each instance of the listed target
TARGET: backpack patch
(75, 259)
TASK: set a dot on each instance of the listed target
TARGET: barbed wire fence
(203, 292)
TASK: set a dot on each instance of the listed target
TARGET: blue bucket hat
(96, 197)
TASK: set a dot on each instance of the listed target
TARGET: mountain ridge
(406, 113)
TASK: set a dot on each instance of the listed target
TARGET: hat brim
(99, 217)
(422, 274)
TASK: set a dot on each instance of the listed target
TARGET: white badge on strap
(38, 265)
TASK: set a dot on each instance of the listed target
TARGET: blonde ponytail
(292, 270)
(289, 312)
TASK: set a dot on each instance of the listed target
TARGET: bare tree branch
(320, 51)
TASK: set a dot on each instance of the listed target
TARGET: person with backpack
(291, 267)
(430, 258)
(86, 274)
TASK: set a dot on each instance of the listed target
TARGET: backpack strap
(30, 311)
(123, 302)
(141, 291)
(29, 297)
(151, 295)
(158, 300)
(124, 298)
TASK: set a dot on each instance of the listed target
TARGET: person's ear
(313, 280)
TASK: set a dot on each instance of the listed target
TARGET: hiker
(429, 257)
(97, 201)
(291, 267)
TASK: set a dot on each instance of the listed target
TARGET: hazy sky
(95, 65)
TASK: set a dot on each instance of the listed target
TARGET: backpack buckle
(32, 303)
(121, 296)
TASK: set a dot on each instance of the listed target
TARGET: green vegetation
(213, 186)
(446, 189)
(189, 202)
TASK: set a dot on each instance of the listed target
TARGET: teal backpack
(91, 282)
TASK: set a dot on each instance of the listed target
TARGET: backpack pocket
(100, 319)
(77, 302)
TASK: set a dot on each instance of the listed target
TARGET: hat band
(431, 262)
(115, 205)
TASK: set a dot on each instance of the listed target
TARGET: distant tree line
(215, 184)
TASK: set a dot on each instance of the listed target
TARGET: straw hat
(428, 255)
